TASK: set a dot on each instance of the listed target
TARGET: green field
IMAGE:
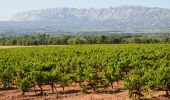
(140, 67)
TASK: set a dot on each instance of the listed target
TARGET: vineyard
(142, 68)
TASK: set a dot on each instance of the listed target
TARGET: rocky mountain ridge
(112, 18)
(122, 14)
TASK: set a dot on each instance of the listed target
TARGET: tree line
(44, 39)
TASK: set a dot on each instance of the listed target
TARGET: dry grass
(5, 47)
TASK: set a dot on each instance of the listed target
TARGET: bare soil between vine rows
(73, 93)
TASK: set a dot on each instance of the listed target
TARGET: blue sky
(10, 7)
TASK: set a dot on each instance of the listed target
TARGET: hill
(122, 18)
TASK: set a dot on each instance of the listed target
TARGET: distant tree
(112, 39)
(165, 40)
(100, 39)
(76, 41)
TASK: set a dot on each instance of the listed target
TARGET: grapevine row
(140, 67)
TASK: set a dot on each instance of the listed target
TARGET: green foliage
(44, 39)
(6, 76)
(141, 67)
(24, 84)
(136, 83)
(76, 41)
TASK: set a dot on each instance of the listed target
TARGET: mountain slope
(135, 17)
(122, 14)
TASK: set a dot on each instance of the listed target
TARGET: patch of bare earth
(73, 93)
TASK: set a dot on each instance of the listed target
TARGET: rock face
(123, 15)
(122, 18)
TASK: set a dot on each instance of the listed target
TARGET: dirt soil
(73, 93)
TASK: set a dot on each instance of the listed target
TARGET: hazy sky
(10, 7)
